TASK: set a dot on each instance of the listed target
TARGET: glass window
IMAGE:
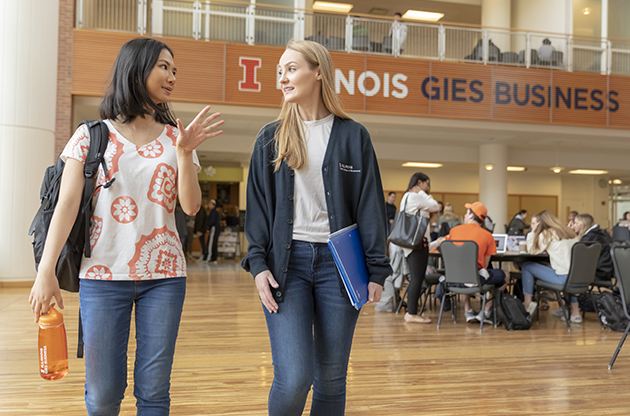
(587, 18)
(618, 12)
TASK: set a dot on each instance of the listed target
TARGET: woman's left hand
(374, 292)
(198, 131)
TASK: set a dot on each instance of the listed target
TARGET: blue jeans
(530, 269)
(311, 336)
(106, 316)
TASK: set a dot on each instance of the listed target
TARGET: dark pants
(418, 260)
(204, 246)
(214, 243)
(311, 336)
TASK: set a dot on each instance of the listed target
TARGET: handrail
(259, 23)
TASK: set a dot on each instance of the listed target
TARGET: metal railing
(255, 23)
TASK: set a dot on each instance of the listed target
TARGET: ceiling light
(489, 166)
(516, 169)
(425, 16)
(324, 6)
(617, 182)
(421, 165)
(588, 172)
(556, 169)
(587, 11)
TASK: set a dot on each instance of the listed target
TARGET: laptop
(501, 242)
(513, 242)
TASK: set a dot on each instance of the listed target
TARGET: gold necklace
(133, 139)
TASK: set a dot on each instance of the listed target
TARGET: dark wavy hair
(127, 96)
(418, 176)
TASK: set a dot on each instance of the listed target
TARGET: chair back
(620, 254)
(460, 262)
(620, 233)
(584, 257)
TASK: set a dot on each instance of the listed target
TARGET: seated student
(550, 235)
(545, 51)
(472, 230)
(572, 216)
(586, 229)
(517, 224)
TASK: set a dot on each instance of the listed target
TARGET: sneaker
(486, 316)
(471, 315)
(532, 308)
(558, 312)
(576, 319)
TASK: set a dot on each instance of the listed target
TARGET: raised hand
(199, 130)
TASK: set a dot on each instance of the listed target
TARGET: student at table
(586, 229)
(550, 235)
(472, 230)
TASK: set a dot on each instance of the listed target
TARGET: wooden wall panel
(397, 86)
(579, 99)
(520, 94)
(213, 72)
(460, 94)
(619, 112)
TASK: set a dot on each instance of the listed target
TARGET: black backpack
(511, 312)
(69, 262)
(610, 311)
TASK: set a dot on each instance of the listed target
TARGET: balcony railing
(261, 24)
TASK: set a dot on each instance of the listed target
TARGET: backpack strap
(99, 139)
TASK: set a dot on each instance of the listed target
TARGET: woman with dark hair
(517, 224)
(418, 199)
(312, 172)
(137, 258)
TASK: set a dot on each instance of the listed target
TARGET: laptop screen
(513, 242)
(501, 241)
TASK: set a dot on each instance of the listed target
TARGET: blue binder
(347, 250)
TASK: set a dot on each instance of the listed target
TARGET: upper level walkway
(262, 24)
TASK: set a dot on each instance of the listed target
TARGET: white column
(493, 189)
(497, 14)
(28, 93)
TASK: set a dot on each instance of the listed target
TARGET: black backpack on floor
(610, 311)
(511, 312)
(69, 262)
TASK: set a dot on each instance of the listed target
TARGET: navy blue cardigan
(354, 194)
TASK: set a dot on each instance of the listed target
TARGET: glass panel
(587, 18)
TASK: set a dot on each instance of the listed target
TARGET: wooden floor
(223, 362)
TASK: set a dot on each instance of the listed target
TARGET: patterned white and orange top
(132, 231)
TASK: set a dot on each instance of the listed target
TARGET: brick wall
(63, 125)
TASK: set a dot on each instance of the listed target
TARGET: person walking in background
(390, 209)
(398, 33)
(418, 199)
(550, 235)
(213, 225)
(137, 259)
(312, 173)
(201, 227)
(517, 225)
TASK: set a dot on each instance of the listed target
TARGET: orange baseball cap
(479, 209)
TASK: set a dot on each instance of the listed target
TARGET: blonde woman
(312, 172)
(549, 235)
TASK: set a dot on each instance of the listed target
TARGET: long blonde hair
(587, 222)
(289, 137)
(549, 226)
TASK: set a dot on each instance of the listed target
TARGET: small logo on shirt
(348, 168)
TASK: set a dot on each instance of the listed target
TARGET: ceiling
(463, 11)
(455, 143)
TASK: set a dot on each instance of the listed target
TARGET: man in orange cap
(472, 230)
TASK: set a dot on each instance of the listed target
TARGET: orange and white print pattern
(132, 231)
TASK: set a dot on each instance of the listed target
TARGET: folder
(347, 250)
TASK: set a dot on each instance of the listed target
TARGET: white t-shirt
(310, 222)
(412, 202)
(132, 232)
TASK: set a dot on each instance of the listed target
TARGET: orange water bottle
(53, 347)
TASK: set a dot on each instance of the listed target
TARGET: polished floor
(223, 362)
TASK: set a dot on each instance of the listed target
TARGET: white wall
(542, 15)
(28, 96)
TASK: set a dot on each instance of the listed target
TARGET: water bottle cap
(51, 319)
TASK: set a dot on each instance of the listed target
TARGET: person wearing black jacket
(213, 225)
(517, 224)
(586, 229)
(312, 172)
(391, 209)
